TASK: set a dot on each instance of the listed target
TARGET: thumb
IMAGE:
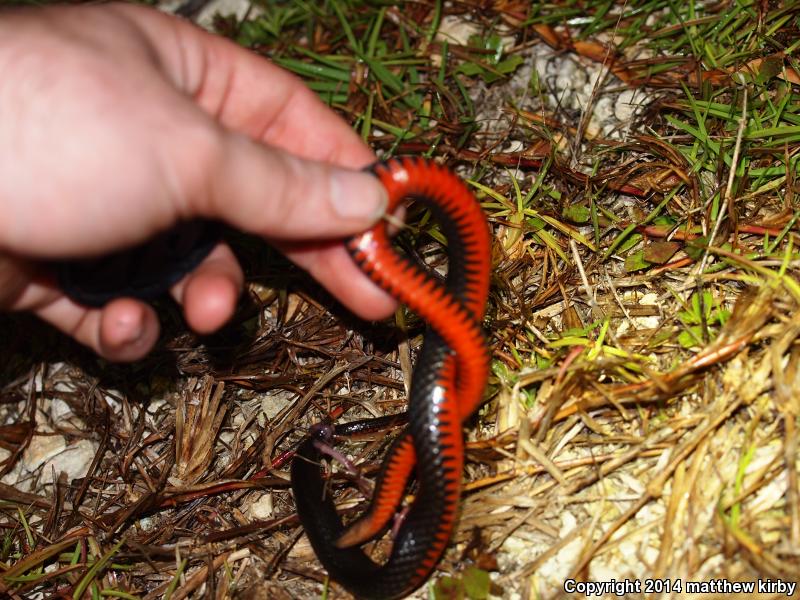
(266, 191)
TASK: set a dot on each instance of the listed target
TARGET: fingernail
(131, 331)
(356, 195)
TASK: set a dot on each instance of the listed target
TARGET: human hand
(126, 120)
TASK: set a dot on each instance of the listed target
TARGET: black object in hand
(145, 272)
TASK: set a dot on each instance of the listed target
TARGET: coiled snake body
(447, 386)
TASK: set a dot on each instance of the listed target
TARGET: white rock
(628, 102)
(586, 91)
(603, 110)
(565, 80)
(155, 405)
(649, 299)
(17, 477)
(623, 328)
(223, 7)
(60, 410)
(456, 30)
(262, 508)
(41, 449)
(647, 322)
(515, 545)
(541, 64)
(274, 402)
(74, 460)
(568, 523)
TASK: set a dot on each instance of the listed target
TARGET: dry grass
(642, 415)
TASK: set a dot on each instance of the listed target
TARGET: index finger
(246, 93)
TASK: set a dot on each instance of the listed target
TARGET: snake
(447, 386)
